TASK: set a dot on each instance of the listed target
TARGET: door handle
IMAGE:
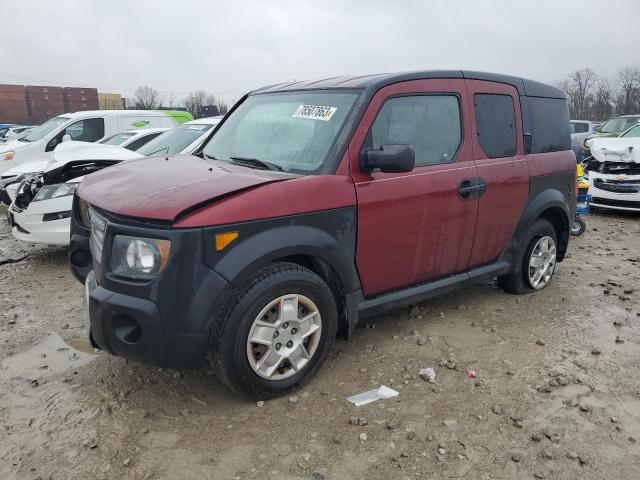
(471, 188)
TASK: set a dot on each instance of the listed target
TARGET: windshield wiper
(204, 155)
(23, 140)
(255, 163)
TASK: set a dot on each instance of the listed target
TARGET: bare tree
(629, 93)
(146, 98)
(581, 84)
(171, 99)
(603, 100)
(202, 104)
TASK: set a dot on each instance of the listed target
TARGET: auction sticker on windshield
(315, 112)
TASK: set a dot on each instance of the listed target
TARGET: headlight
(7, 155)
(139, 258)
(54, 191)
(83, 208)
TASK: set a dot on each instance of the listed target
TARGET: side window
(88, 130)
(429, 123)
(136, 144)
(579, 127)
(496, 124)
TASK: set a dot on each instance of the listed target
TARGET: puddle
(47, 358)
(38, 407)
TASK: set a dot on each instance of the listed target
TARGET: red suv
(315, 203)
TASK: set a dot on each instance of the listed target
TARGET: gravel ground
(557, 391)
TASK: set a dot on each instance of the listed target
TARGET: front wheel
(275, 332)
(535, 263)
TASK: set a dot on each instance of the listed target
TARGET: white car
(133, 139)
(614, 171)
(41, 205)
(89, 126)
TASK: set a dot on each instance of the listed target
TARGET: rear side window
(429, 123)
(547, 122)
(579, 127)
(496, 124)
(136, 144)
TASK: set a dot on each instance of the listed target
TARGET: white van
(89, 126)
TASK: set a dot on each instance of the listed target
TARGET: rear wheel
(535, 263)
(275, 332)
(579, 226)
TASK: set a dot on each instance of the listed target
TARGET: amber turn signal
(224, 239)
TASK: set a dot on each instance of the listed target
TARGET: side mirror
(389, 159)
(66, 138)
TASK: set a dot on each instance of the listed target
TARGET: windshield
(175, 140)
(620, 124)
(633, 132)
(117, 139)
(45, 129)
(292, 131)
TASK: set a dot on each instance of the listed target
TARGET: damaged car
(613, 171)
(41, 203)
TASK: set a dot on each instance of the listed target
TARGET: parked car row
(86, 126)
(608, 153)
(40, 193)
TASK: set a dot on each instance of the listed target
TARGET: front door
(415, 227)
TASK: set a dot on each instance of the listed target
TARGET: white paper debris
(372, 395)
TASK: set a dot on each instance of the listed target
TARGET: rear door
(498, 149)
(414, 227)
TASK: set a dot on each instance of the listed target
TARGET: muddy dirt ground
(556, 395)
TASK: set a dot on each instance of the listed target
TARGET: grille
(617, 186)
(96, 238)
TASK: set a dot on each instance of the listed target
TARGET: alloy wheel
(542, 262)
(284, 337)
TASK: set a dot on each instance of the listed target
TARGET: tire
(243, 366)
(579, 226)
(517, 279)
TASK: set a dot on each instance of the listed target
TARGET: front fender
(328, 235)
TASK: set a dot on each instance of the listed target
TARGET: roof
(377, 81)
(206, 120)
(85, 113)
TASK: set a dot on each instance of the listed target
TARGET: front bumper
(29, 224)
(615, 192)
(164, 322)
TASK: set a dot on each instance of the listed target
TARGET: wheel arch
(551, 205)
(330, 256)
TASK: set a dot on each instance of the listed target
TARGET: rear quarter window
(547, 122)
(496, 124)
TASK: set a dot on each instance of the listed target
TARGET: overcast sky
(230, 47)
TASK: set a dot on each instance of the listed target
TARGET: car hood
(72, 152)
(615, 149)
(83, 151)
(161, 188)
